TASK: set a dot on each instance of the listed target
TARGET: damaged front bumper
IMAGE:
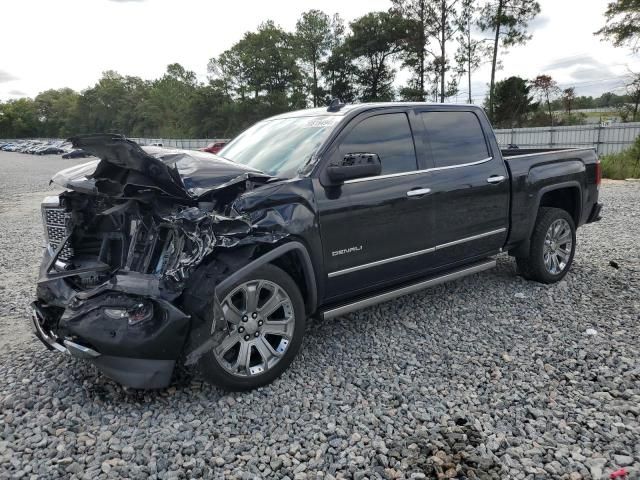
(141, 373)
(50, 340)
(138, 350)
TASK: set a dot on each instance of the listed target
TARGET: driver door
(375, 230)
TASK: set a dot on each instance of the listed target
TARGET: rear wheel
(553, 246)
(265, 320)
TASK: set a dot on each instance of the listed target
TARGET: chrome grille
(56, 226)
(55, 217)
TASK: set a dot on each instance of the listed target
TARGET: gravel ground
(487, 377)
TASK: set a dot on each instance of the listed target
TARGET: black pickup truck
(156, 257)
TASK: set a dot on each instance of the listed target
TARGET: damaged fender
(204, 338)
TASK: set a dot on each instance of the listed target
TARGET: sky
(69, 43)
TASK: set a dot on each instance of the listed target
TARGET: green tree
(633, 91)
(338, 70)
(212, 112)
(112, 105)
(341, 75)
(167, 107)
(512, 103)
(414, 54)
(584, 102)
(57, 112)
(471, 52)
(263, 64)
(257, 77)
(629, 110)
(568, 99)
(314, 37)
(622, 23)
(443, 25)
(507, 20)
(546, 88)
(432, 25)
(19, 119)
(376, 38)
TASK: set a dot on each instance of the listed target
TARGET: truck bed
(520, 160)
(536, 171)
(519, 152)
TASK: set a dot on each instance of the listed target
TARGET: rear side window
(388, 135)
(455, 138)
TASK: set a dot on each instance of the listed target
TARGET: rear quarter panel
(535, 174)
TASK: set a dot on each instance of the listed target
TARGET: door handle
(418, 192)
(495, 179)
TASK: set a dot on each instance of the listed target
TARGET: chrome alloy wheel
(557, 246)
(260, 320)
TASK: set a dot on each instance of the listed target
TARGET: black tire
(214, 372)
(533, 267)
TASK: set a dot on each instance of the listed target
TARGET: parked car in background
(214, 147)
(76, 153)
(158, 256)
(40, 147)
(49, 150)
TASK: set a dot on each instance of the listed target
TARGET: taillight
(598, 173)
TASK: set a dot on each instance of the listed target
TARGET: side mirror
(355, 165)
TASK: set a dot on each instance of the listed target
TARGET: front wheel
(553, 245)
(265, 320)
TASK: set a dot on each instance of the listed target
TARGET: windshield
(280, 147)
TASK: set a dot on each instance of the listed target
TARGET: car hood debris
(125, 168)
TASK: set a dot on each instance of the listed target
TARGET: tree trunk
(495, 58)
(374, 85)
(421, 53)
(469, 57)
(549, 108)
(470, 100)
(443, 16)
(315, 85)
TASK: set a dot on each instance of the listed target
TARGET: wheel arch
(566, 196)
(293, 258)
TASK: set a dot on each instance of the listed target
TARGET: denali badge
(346, 250)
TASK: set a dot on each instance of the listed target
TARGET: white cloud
(6, 77)
(69, 43)
(572, 62)
(538, 23)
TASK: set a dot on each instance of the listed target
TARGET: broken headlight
(139, 313)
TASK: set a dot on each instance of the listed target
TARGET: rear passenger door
(470, 188)
(375, 230)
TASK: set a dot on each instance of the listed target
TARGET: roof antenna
(335, 105)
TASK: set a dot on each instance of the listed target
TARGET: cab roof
(355, 108)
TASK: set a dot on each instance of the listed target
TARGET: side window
(455, 138)
(388, 135)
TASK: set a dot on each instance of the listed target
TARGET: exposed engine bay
(103, 235)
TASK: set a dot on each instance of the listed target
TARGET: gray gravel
(488, 377)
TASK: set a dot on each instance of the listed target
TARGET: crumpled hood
(125, 167)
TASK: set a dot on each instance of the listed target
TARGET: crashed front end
(122, 245)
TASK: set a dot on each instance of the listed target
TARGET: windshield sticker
(321, 122)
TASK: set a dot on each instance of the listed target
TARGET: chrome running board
(407, 289)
